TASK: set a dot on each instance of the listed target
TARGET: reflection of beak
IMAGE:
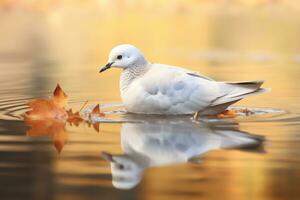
(107, 66)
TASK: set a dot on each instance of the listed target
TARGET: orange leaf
(48, 117)
(227, 114)
(74, 117)
(43, 109)
(96, 112)
(59, 97)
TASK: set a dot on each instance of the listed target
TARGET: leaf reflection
(55, 129)
(51, 128)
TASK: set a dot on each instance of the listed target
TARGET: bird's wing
(233, 91)
(173, 90)
(188, 72)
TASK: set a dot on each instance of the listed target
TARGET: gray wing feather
(235, 91)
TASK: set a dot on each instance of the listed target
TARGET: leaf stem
(83, 105)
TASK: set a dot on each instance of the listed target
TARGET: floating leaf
(45, 109)
(96, 112)
(59, 97)
(74, 117)
(48, 117)
(227, 114)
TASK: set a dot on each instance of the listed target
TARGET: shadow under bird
(151, 88)
(160, 142)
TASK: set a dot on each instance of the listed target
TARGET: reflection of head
(126, 173)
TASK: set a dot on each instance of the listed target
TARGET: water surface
(250, 157)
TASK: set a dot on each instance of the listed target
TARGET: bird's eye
(119, 57)
(121, 167)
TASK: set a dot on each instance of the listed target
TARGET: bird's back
(166, 89)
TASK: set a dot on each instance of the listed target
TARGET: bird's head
(124, 56)
(126, 172)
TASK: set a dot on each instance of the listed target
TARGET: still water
(144, 157)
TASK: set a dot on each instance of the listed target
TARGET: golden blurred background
(44, 42)
(78, 35)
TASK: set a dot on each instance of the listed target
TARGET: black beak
(107, 156)
(107, 66)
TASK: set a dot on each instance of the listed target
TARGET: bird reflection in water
(159, 142)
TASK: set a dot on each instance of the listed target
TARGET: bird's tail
(235, 91)
(231, 92)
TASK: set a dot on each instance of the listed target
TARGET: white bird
(150, 88)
